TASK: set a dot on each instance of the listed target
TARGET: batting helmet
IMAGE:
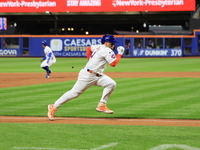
(44, 43)
(108, 38)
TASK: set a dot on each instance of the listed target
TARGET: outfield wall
(75, 46)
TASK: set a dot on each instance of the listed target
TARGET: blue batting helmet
(44, 43)
(108, 38)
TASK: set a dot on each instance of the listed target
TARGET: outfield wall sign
(9, 52)
(64, 47)
(157, 53)
(76, 47)
(72, 47)
(95, 5)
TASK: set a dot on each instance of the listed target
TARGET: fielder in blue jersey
(48, 59)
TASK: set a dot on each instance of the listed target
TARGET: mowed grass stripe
(126, 65)
(133, 98)
(12, 65)
(160, 85)
(160, 98)
(24, 99)
(84, 136)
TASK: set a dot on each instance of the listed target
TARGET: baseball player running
(48, 59)
(93, 74)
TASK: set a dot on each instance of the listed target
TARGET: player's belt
(90, 71)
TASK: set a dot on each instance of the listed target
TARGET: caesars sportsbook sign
(95, 5)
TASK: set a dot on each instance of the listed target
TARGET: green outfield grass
(125, 65)
(96, 137)
(177, 98)
(133, 98)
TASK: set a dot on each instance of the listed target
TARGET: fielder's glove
(120, 50)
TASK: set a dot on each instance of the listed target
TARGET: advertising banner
(157, 53)
(72, 47)
(64, 47)
(10, 52)
(95, 5)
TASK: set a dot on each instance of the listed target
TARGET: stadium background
(149, 97)
(95, 22)
(172, 18)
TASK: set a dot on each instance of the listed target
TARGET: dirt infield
(104, 121)
(21, 79)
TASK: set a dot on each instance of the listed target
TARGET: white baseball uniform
(93, 74)
(49, 57)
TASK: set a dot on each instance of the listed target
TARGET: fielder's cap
(44, 43)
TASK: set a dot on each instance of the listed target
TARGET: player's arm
(43, 58)
(88, 52)
(49, 57)
(116, 61)
(120, 50)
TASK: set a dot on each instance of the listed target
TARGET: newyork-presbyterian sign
(95, 5)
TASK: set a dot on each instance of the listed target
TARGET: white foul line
(169, 146)
(38, 148)
(104, 146)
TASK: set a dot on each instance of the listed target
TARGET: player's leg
(45, 66)
(85, 80)
(77, 89)
(109, 86)
(51, 62)
(54, 60)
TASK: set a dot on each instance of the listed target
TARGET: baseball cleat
(51, 111)
(48, 74)
(103, 108)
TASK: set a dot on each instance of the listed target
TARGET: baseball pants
(85, 80)
(51, 62)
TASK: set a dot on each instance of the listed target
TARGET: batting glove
(120, 50)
